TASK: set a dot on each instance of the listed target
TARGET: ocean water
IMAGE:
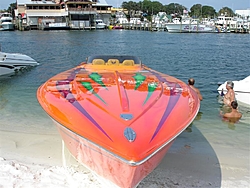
(209, 58)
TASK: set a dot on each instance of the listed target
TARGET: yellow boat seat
(113, 62)
(128, 62)
(98, 62)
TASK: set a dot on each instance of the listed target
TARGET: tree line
(10, 9)
(149, 8)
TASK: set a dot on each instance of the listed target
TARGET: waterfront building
(76, 14)
(244, 13)
(242, 22)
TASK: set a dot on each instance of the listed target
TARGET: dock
(144, 27)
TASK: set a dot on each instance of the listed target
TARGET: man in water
(234, 115)
(229, 97)
(191, 82)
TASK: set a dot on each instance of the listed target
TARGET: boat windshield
(118, 58)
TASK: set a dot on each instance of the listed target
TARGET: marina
(87, 15)
(211, 152)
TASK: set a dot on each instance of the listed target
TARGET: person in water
(229, 97)
(234, 115)
(191, 82)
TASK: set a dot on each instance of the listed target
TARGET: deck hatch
(130, 134)
(126, 116)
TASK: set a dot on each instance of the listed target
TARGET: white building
(243, 13)
(75, 13)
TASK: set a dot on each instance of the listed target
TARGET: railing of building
(82, 9)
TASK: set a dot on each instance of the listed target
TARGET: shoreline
(36, 160)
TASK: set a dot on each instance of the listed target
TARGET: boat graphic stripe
(86, 114)
(172, 102)
(66, 93)
(122, 93)
(31, 60)
(151, 89)
(89, 87)
(139, 79)
(7, 66)
(97, 78)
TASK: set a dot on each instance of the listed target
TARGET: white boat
(135, 21)
(56, 26)
(10, 63)
(222, 24)
(100, 24)
(159, 21)
(221, 29)
(188, 26)
(239, 25)
(241, 89)
(121, 18)
(223, 20)
(6, 22)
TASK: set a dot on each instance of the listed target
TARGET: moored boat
(10, 63)
(188, 25)
(56, 26)
(189, 28)
(115, 27)
(117, 116)
(100, 24)
(6, 22)
(241, 89)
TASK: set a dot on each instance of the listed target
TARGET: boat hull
(100, 26)
(7, 27)
(188, 28)
(6, 71)
(56, 26)
(10, 63)
(111, 170)
(118, 119)
(116, 27)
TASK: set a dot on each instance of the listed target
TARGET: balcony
(85, 10)
(104, 11)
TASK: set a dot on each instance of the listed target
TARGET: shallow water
(209, 58)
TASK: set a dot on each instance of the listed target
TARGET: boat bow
(121, 109)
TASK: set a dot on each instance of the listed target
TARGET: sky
(217, 4)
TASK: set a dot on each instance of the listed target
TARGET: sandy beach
(37, 160)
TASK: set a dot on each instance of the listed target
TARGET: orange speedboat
(117, 116)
